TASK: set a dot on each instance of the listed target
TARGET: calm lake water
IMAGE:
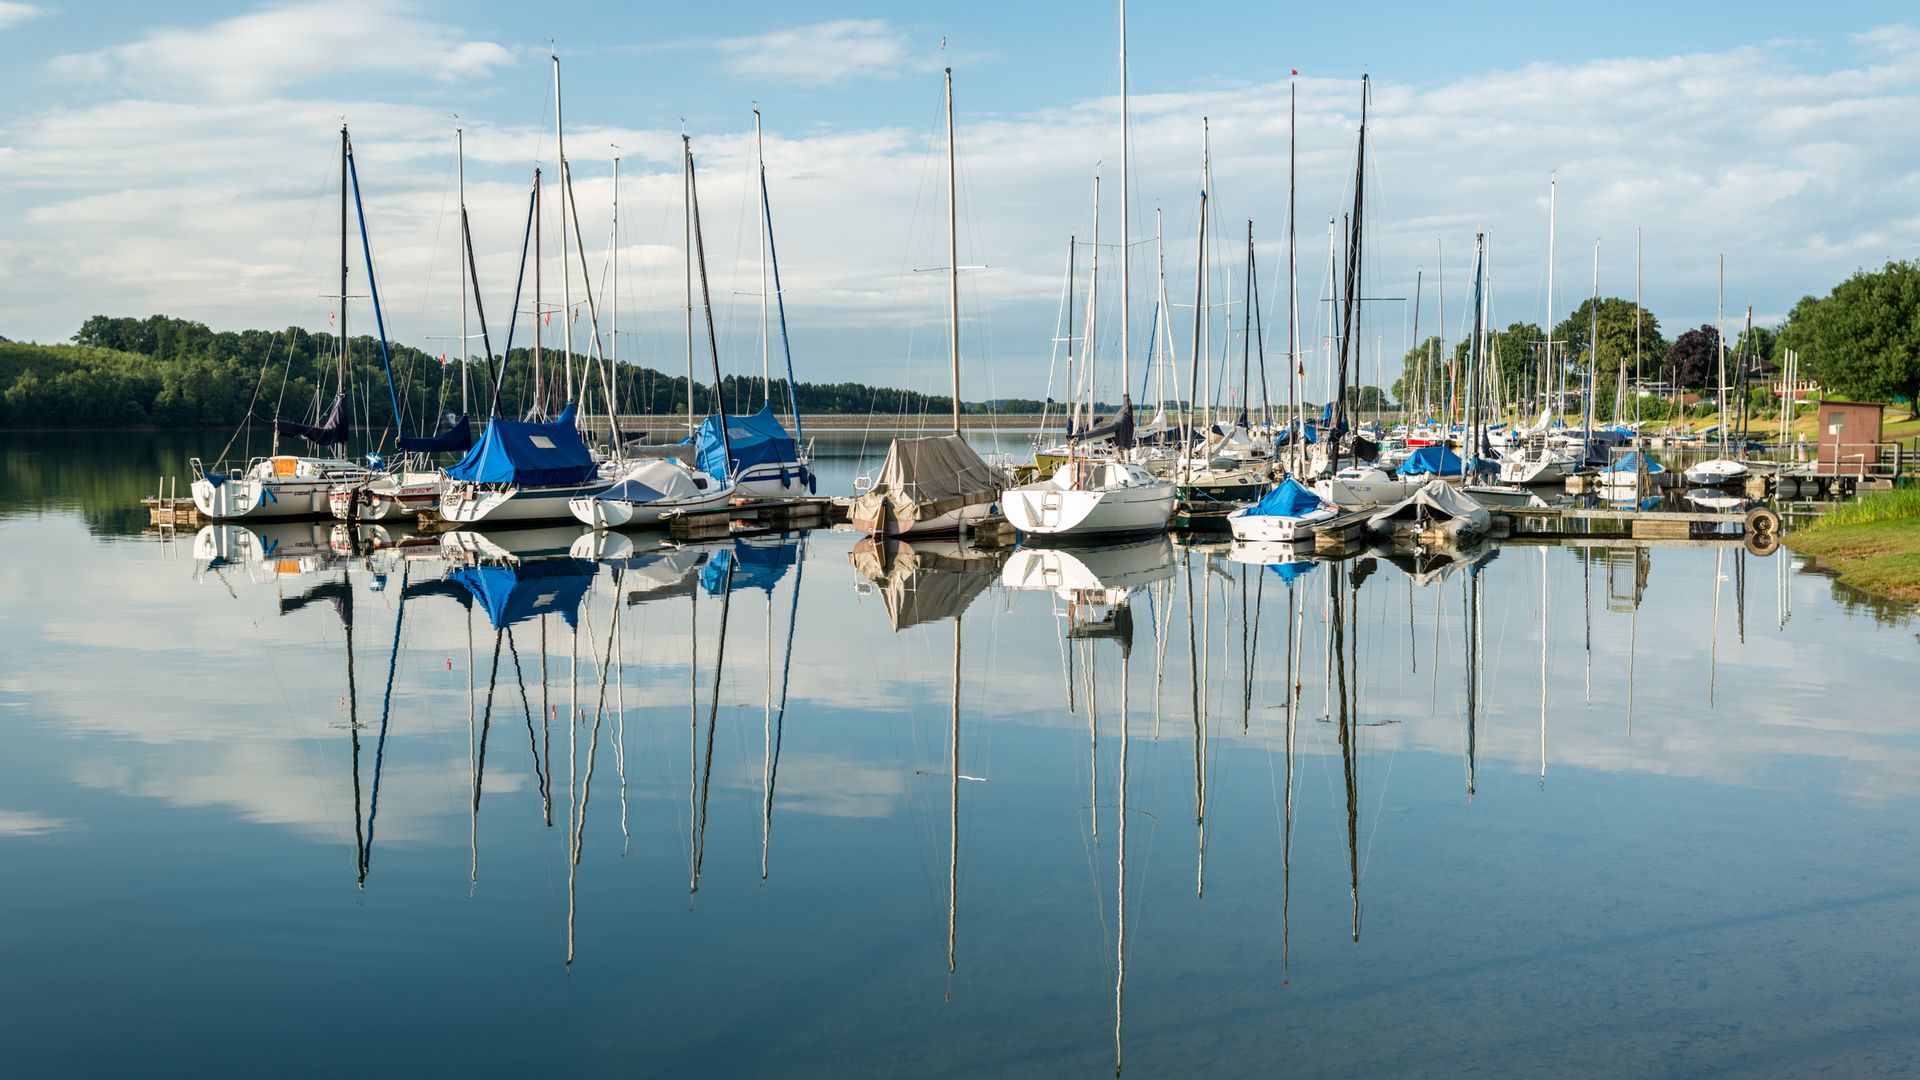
(482, 807)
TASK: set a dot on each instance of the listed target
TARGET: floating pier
(752, 519)
(167, 510)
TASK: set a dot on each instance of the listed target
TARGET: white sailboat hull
(1358, 494)
(1047, 510)
(1247, 526)
(1716, 472)
(626, 514)
(468, 504)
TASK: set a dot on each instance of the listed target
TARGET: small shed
(1849, 436)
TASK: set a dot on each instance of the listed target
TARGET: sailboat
(530, 470)
(935, 485)
(1101, 497)
(755, 453)
(1287, 513)
(288, 485)
(658, 488)
(1724, 469)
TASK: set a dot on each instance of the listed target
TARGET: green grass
(1872, 543)
(1899, 504)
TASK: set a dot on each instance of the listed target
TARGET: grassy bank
(1873, 543)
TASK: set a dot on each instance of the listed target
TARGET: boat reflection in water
(921, 583)
(1394, 637)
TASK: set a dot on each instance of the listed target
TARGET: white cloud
(283, 46)
(821, 53)
(202, 206)
(13, 13)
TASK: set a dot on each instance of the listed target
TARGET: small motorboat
(1630, 472)
(1716, 472)
(1289, 512)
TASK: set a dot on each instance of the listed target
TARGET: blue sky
(177, 158)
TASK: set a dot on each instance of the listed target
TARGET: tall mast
(1073, 413)
(953, 261)
(343, 259)
(686, 198)
(613, 260)
(460, 162)
(1349, 329)
(1440, 289)
(1293, 278)
(1246, 329)
(566, 263)
(539, 316)
(1593, 361)
(1547, 366)
(1636, 321)
(760, 167)
(1092, 370)
(706, 300)
(1719, 346)
(1126, 232)
(1205, 311)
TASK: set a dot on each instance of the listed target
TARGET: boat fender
(1763, 526)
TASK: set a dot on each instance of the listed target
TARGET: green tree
(1617, 328)
(1862, 340)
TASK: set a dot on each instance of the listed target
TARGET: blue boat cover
(1631, 463)
(1288, 500)
(748, 565)
(1289, 572)
(457, 438)
(1307, 433)
(514, 594)
(757, 440)
(532, 455)
(1431, 461)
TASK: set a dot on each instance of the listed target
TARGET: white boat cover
(923, 479)
(652, 482)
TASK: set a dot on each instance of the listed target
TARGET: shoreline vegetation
(1871, 544)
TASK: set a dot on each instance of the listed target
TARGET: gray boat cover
(922, 479)
(1437, 502)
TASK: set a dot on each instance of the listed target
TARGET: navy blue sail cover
(329, 432)
(529, 454)
(457, 437)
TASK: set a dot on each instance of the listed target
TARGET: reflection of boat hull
(471, 504)
(1072, 572)
(1268, 552)
(280, 549)
(509, 544)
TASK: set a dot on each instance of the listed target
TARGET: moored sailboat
(935, 485)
